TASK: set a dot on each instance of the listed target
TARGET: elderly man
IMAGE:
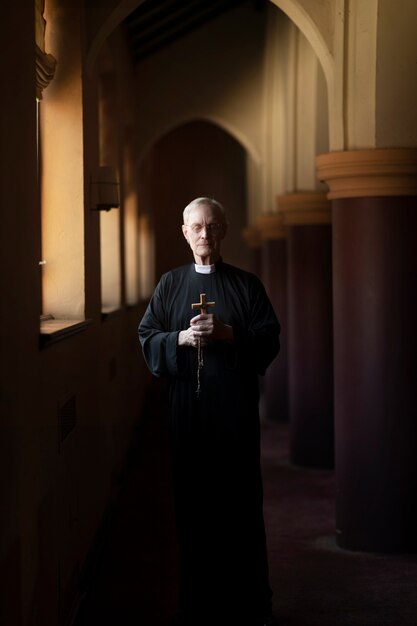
(213, 361)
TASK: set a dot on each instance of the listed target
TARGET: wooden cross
(203, 304)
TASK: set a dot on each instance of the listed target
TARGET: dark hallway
(299, 116)
(133, 579)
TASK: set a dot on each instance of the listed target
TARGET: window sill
(53, 330)
(109, 312)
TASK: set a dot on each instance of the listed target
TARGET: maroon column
(375, 313)
(253, 239)
(310, 345)
(274, 275)
(257, 261)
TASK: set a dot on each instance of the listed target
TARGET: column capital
(304, 207)
(271, 226)
(373, 172)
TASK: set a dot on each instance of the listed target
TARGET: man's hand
(205, 327)
(190, 338)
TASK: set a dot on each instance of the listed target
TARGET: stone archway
(175, 170)
(322, 28)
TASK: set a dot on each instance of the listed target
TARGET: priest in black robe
(212, 361)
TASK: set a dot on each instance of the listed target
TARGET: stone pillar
(374, 207)
(252, 237)
(274, 276)
(310, 353)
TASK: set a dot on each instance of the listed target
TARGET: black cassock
(215, 437)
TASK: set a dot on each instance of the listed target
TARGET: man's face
(204, 230)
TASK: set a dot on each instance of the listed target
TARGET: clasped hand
(204, 327)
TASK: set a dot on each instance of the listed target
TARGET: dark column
(274, 276)
(375, 313)
(310, 350)
(253, 240)
(268, 240)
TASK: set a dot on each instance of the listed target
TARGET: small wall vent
(67, 417)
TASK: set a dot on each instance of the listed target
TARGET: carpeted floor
(315, 583)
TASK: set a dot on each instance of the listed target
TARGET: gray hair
(214, 204)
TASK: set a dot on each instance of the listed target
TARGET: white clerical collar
(205, 269)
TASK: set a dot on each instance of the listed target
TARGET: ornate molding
(45, 70)
(305, 207)
(271, 226)
(377, 172)
(44, 63)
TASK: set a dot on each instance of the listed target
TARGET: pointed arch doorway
(195, 159)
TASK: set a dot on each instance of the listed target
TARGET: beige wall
(396, 73)
(62, 167)
(295, 110)
(314, 14)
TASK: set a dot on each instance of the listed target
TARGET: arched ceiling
(154, 25)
